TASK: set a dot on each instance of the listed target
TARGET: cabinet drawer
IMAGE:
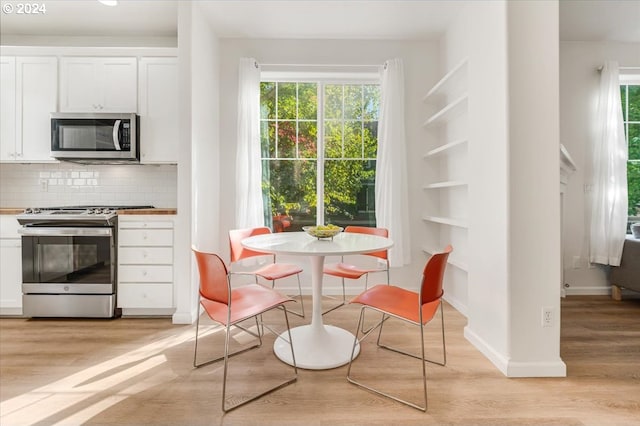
(145, 255)
(145, 296)
(160, 224)
(146, 237)
(145, 274)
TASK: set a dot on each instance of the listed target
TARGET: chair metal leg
(344, 301)
(301, 300)
(422, 358)
(444, 348)
(288, 381)
(301, 313)
(379, 323)
(195, 351)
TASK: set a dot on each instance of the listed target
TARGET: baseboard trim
(457, 304)
(588, 291)
(537, 369)
(11, 312)
(511, 368)
(500, 361)
(185, 317)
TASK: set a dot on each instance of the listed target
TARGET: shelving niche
(445, 209)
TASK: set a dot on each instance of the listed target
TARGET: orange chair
(353, 272)
(414, 308)
(230, 307)
(271, 272)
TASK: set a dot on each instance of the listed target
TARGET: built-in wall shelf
(457, 107)
(450, 77)
(444, 148)
(447, 184)
(452, 260)
(446, 221)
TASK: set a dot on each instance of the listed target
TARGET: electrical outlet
(44, 185)
(547, 317)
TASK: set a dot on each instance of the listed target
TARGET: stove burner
(71, 215)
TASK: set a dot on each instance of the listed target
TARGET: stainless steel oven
(69, 262)
(69, 271)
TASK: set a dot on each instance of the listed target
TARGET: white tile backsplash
(46, 185)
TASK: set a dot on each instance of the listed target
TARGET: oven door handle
(65, 232)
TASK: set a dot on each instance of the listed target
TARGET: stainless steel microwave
(95, 137)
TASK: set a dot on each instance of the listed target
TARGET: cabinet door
(37, 98)
(78, 84)
(11, 277)
(99, 84)
(7, 108)
(158, 109)
(119, 85)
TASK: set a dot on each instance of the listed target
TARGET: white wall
(514, 225)
(489, 315)
(199, 163)
(579, 82)
(534, 195)
(205, 140)
(420, 64)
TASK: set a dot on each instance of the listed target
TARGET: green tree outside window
(290, 127)
(630, 95)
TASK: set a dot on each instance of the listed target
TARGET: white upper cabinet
(90, 84)
(7, 108)
(29, 96)
(158, 110)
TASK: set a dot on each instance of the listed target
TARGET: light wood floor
(139, 372)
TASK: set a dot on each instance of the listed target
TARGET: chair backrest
(431, 288)
(214, 283)
(381, 232)
(236, 235)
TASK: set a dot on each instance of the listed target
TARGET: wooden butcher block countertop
(160, 211)
(11, 210)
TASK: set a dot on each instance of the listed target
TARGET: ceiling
(586, 20)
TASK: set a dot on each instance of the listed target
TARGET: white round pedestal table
(317, 346)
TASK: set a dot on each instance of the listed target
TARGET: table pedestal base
(317, 348)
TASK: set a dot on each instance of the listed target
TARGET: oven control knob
(66, 288)
(28, 210)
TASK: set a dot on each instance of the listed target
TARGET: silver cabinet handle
(65, 232)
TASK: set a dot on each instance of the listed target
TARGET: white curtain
(249, 209)
(609, 150)
(392, 201)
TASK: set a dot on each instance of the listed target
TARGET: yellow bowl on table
(326, 231)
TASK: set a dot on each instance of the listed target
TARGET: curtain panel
(391, 192)
(609, 156)
(249, 208)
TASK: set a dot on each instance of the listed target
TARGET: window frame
(626, 80)
(321, 78)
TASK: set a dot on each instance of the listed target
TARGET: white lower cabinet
(145, 265)
(10, 267)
